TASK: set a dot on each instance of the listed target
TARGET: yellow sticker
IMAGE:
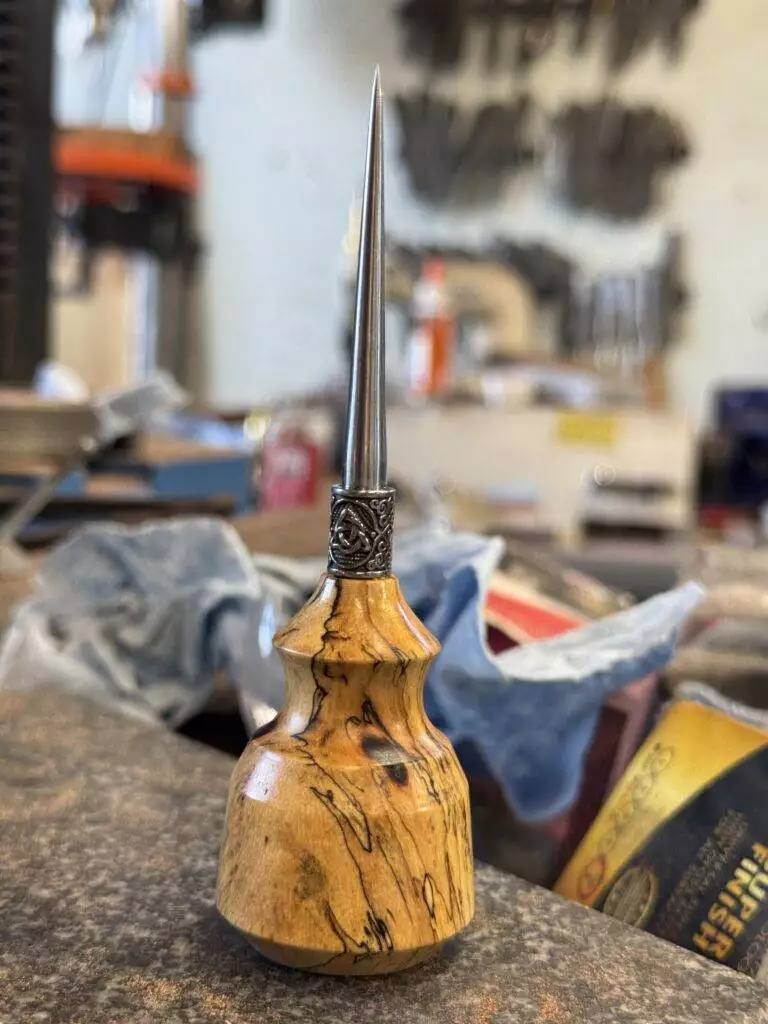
(587, 429)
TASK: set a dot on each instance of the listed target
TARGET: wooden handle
(348, 846)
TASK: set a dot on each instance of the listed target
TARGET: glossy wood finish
(347, 848)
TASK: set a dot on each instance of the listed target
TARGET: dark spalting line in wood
(397, 881)
(418, 881)
(369, 652)
(424, 873)
(376, 930)
(429, 781)
(416, 845)
(457, 904)
(290, 631)
(324, 640)
(348, 943)
(363, 837)
(430, 890)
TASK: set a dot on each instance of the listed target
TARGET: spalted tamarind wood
(347, 848)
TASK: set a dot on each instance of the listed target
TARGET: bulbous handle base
(348, 847)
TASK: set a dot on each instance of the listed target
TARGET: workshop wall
(280, 125)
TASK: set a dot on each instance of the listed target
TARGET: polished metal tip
(365, 456)
(363, 507)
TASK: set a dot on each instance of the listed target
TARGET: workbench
(110, 833)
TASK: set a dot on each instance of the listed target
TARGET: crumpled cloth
(145, 618)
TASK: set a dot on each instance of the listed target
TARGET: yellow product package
(681, 846)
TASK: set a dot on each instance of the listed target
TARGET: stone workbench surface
(109, 833)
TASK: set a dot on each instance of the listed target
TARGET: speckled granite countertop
(109, 834)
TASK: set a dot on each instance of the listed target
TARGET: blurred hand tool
(584, 17)
(211, 14)
(497, 20)
(427, 127)
(537, 32)
(434, 31)
(489, 151)
(671, 18)
(611, 156)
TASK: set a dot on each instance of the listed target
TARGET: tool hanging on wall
(497, 20)
(603, 157)
(547, 271)
(630, 30)
(495, 147)
(622, 323)
(502, 290)
(213, 14)
(584, 18)
(634, 27)
(537, 32)
(428, 128)
(456, 157)
(435, 31)
(609, 158)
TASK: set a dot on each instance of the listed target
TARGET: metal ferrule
(362, 524)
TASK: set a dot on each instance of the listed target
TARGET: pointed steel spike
(363, 506)
(365, 460)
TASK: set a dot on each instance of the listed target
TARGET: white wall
(280, 124)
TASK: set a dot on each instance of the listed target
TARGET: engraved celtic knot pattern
(361, 533)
